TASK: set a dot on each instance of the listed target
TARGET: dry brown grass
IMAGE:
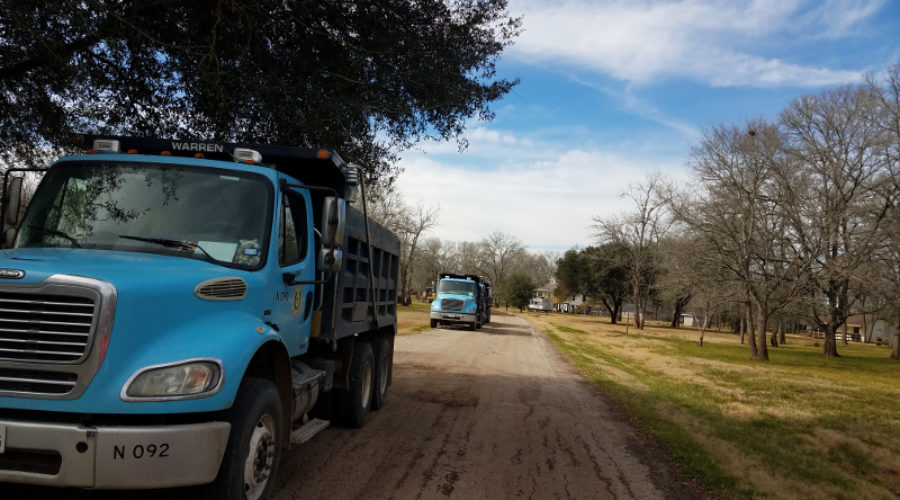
(413, 318)
(800, 425)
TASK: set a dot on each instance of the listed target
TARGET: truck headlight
(181, 380)
(435, 306)
(470, 308)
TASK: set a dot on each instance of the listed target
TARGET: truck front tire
(254, 449)
(434, 323)
(353, 405)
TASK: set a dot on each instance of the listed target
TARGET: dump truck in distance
(462, 299)
(183, 312)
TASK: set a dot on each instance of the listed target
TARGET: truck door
(293, 304)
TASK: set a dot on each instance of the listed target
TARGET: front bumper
(111, 457)
(454, 317)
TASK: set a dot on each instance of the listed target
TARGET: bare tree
(639, 231)
(432, 259)
(835, 197)
(499, 252)
(539, 266)
(677, 276)
(888, 256)
(737, 211)
(420, 220)
(389, 209)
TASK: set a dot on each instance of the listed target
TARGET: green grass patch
(566, 329)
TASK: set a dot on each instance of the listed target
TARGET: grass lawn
(413, 318)
(798, 426)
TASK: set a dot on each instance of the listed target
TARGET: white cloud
(711, 41)
(537, 192)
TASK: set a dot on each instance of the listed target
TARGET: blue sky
(612, 91)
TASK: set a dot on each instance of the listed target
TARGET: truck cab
(174, 311)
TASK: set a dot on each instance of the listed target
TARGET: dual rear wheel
(370, 376)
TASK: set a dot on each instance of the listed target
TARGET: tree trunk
(781, 332)
(830, 341)
(680, 302)
(895, 349)
(743, 328)
(762, 351)
(751, 330)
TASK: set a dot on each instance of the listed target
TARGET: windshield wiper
(183, 245)
(54, 232)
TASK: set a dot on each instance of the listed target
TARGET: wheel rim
(366, 386)
(260, 457)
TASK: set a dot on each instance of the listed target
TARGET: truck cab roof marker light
(323, 154)
(106, 145)
(132, 151)
(199, 155)
(165, 153)
(247, 155)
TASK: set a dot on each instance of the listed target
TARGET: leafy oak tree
(368, 78)
(599, 272)
(518, 289)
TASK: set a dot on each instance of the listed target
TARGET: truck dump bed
(358, 305)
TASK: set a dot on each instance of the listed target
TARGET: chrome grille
(452, 304)
(44, 328)
(36, 381)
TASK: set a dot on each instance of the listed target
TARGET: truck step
(308, 430)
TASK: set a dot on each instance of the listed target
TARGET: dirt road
(495, 413)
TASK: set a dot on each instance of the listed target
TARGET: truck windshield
(457, 287)
(216, 215)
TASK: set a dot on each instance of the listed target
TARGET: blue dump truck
(178, 313)
(462, 299)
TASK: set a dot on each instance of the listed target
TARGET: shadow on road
(506, 329)
(494, 329)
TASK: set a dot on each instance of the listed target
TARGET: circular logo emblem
(297, 301)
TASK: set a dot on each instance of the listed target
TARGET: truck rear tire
(352, 406)
(254, 449)
(384, 358)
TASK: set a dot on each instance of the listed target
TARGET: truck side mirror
(330, 260)
(334, 218)
(13, 199)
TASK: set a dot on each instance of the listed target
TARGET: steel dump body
(352, 299)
